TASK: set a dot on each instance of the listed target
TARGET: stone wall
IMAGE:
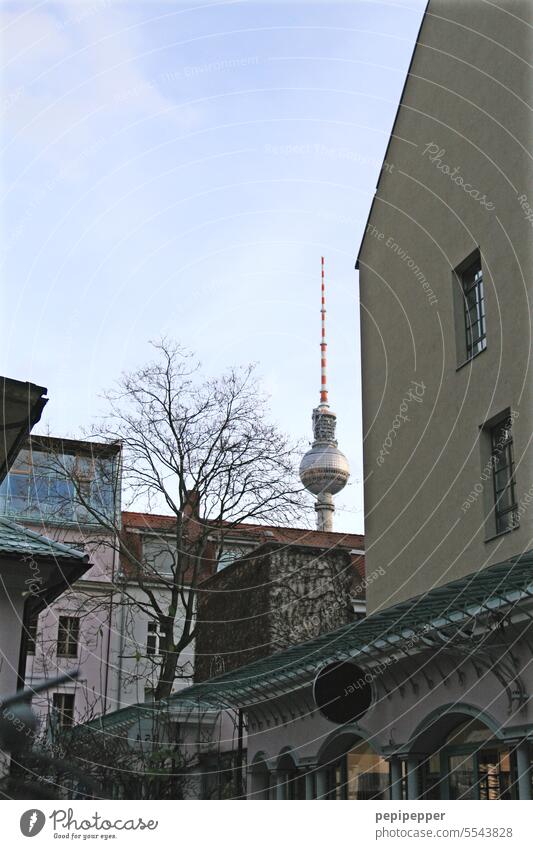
(275, 597)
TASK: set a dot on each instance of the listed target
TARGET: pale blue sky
(179, 169)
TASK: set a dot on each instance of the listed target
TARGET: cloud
(73, 76)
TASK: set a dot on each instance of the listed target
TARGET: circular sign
(342, 692)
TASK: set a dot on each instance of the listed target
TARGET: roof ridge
(251, 525)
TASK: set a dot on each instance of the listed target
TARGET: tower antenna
(323, 346)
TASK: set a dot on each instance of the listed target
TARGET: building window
(159, 556)
(471, 278)
(230, 553)
(64, 709)
(31, 635)
(505, 505)
(359, 774)
(67, 636)
(43, 484)
(154, 638)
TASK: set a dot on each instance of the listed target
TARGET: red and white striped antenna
(323, 346)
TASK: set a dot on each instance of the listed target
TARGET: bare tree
(201, 449)
(86, 762)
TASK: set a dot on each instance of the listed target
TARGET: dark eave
(22, 407)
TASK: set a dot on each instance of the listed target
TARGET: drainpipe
(121, 642)
(239, 751)
(109, 631)
(117, 506)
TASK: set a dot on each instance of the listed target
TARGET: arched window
(358, 772)
(290, 779)
(260, 778)
(469, 762)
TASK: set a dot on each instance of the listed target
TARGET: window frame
(498, 492)
(231, 551)
(162, 548)
(64, 636)
(154, 633)
(467, 348)
(474, 347)
(34, 490)
(64, 715)
(493, 528)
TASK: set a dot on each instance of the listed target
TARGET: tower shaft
(325, 509)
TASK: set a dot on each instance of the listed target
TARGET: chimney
(192, 504)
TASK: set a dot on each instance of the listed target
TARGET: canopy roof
(16, 540)
(19, 547)
(496, 589)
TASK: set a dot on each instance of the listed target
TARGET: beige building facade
(445, 288)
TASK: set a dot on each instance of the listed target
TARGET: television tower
(324, 469)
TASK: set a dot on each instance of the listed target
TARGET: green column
(524, 770)
(412, 777)
(321, 784)
(395, 777)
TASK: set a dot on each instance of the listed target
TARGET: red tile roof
(264, 533)
(258, 534)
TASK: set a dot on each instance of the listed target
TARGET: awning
(496, 590)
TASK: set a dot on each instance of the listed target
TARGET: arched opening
(290, 780)
(466, 759)
(259, 777)
(352, 769)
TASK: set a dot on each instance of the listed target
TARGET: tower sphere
(324, 469)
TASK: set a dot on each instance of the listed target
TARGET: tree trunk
(167, 676)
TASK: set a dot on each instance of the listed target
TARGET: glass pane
(158, 555)
(500, 460)
(494, 775)
(60, 498)
(17, 493)
(38, 490)
(431, 778)
(461, 777)
(506, 522)
(474, 308)
(471, 296)
(471, 731)
(504, 499)
(368, 774)
(22, 462)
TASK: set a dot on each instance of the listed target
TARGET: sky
(178, 170)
